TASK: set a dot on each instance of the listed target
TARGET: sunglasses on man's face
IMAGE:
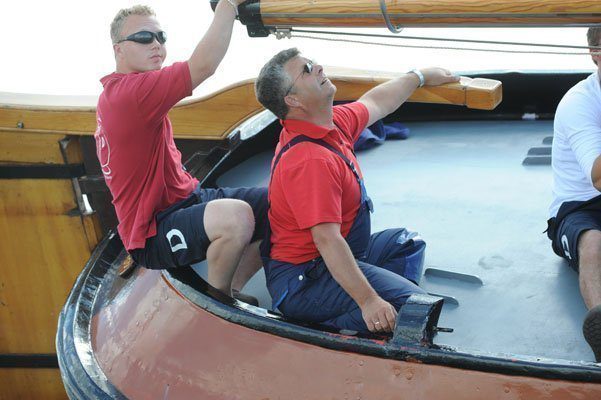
(307, 69)
(146, 37)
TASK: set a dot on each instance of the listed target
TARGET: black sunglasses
(146, 37)
(307, 69)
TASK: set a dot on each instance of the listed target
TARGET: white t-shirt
(576, 143)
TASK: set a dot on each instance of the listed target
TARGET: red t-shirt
(312, 185)
(135, 147)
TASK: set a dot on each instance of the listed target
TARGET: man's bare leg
(229, 225)
(589, 252)
(249, 265)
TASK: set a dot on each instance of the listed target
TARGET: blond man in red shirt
(165, 219)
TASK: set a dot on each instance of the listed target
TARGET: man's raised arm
(387, 97)
(212, 47)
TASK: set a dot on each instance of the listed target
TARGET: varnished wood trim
(215, 116)
(362, 13)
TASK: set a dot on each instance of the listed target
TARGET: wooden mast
(419, 13)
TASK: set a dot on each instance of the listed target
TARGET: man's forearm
(342, 265)
(389, 96)
(212, 48)
(378, 315)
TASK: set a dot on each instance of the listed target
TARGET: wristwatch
(233, 5)
(420, 76)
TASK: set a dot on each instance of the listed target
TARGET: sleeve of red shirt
(352, 119)
(158, 91)
(313, 191)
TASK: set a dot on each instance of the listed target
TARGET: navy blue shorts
(181, 238)
(565, 242)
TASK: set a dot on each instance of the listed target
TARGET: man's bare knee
(589, 247)
(230, 219)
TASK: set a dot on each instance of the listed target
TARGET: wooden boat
(167, 334)
(47, 148)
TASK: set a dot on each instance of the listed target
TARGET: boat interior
(474, 182)
(476, 185)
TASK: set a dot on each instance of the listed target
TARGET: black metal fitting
(417, 319)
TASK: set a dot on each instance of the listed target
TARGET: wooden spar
(269, 14)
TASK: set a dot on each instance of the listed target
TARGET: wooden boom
(263, 16)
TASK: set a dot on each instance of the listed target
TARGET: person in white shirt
(575, 224)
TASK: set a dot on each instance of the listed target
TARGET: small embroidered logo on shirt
(103, 150)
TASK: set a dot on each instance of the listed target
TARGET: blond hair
(119, 20)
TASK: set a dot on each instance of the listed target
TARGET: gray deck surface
(463, 187)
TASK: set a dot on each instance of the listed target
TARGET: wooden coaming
(214, 116)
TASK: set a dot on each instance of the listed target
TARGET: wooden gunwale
(216, 115)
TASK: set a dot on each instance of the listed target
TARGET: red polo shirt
(135, 147)
(312, 185)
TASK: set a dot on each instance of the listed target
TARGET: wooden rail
(214, 116)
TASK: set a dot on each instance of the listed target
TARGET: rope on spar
(446, 47)
(389, 25)
(444, 39)
(295, 32)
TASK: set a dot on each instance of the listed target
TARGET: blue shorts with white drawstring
(181, 238)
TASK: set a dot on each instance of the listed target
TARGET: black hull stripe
(41, 171)
(28, 361)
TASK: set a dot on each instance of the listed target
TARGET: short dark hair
(594, 37)
(273, 82)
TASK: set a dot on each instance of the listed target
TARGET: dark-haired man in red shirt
(319, 208)
(165, 219)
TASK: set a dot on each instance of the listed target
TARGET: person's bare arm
(343, 267)
(212, 47)
(596, 173)
(388, 96)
